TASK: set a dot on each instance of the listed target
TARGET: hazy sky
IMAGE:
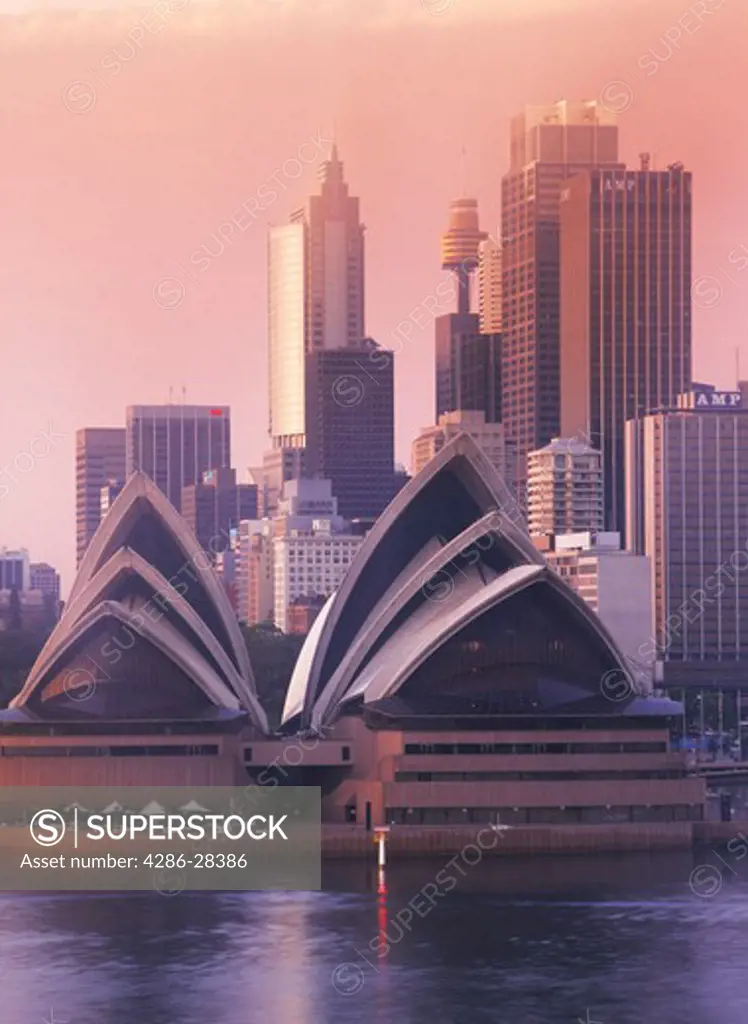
(130, 135)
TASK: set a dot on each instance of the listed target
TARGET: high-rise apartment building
(99, 458)
(350, 435)
(625, 307)
(564, 488)
(489, 286)
(215, 506)
(176, 444)
(548, 145)
(687, 501)
(316, 295)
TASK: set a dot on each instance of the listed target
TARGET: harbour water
(634, 940)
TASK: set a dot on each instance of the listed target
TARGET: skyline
(85, 256)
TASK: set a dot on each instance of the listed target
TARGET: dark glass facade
(350, 426)
(175, 444)
(468, 367)
(214, 508)
(562, 142)
(99, 459)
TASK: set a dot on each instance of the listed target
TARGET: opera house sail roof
(449, 608)
(148, 630)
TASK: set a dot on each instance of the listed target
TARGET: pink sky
(100, 204)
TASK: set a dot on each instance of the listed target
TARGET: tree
(14, 609)
(19, 649)
(273, 655)
(49, 603)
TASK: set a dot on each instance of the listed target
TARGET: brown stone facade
(571, 776)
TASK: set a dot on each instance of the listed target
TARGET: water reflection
(517, 941)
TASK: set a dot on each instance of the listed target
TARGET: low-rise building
(309, 562)
(616, 584)
(488, 436)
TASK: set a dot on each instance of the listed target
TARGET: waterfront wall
(413, 841)
(218, 770)
(714, 833)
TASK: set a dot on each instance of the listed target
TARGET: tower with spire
(468, 362)
(315, 295)
(331, 387)
(460, 243)
(335, 261)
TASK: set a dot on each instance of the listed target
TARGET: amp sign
(717, 399)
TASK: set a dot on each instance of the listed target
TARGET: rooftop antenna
(171, 394)
(737, 366)
(463, 192)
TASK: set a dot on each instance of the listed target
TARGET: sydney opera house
(453, 677)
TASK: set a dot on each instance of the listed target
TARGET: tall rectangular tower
(214, 508)
(468, 367)
(99, 459)
(489, 286)
(350, 426)
(287, 333)
(548, 145)
(176, 444)
(687, 478)
(315, 297)
(625, 308)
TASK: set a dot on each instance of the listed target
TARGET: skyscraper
(548, 145)
(468, 367)
(625, 307)
(468, 362)
(176, 444)
(564, 489)
(315, 295)
(350, 426)
(489, 286)
(687, 480)
(331, 388)
(215, 506)
(99, 460)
